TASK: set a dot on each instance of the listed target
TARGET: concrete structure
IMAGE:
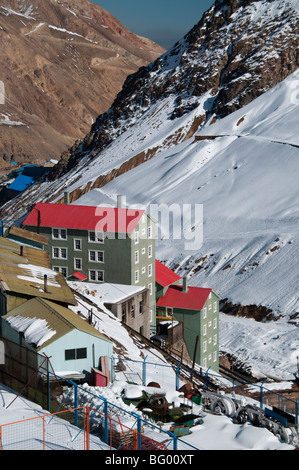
(130, 304)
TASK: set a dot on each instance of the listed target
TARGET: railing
(46, 432)
(118, 427)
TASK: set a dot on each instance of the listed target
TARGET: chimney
(120, 202)
(45, 283)
(66, 197)
(185, 284)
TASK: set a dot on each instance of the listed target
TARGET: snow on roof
(35, 330)
(165, 276)
(106, 293)
(93, 218)
(24, 271)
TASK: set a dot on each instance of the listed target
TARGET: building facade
(102, 244)
(197, 309)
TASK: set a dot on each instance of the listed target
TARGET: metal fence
(118, 427)
(46, 432)
(168, 375)
(25, 371)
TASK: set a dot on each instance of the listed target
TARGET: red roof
(194, 299)
(79, 276)
(165, 276)
(100, 219)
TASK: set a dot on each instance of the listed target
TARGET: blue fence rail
(292, 406)
(104, 408)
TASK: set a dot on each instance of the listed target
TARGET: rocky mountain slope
(237, 51)
(229, 142)
(62, 64)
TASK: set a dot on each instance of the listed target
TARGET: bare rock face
(237, 51)
(62, 64)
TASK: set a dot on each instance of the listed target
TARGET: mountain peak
(236, 52)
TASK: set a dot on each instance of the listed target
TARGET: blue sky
(163, 21)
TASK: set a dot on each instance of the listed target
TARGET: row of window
(96, 237)
(204, 328)
(207, 360)
(214, 306)
(93, 274)
(93, 237)
(143, 271)
(143, 252)
(94, 256)
(137, 235)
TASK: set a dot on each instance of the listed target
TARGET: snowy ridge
(247, 183)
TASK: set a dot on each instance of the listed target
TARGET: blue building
(74, 346)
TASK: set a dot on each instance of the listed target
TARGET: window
(215, 323)
(149, 232)
(205, 312)
(136, 238)
(150, 251)
(204, 330)
(143, 270)
(95, 237)
(136, 257)
(150, 288)
(59, 253)
(96, 256)
(133, 310)
(78, 263)
(215, 339)
(143, 251)
(215, 356)
(60, 269)
(136, 276)
(215, 307)
(169, 312)
(72, 354)
(150, 270)
(77, 244)
(141, 307)
(59, 234)
(204, 346)
(97, 276)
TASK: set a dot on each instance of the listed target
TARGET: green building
(99, 244)
(196, 308)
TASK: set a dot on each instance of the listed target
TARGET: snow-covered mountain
(212, 122)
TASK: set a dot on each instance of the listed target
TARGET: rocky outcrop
(62, 64)
(237, 51)
(257, 312)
